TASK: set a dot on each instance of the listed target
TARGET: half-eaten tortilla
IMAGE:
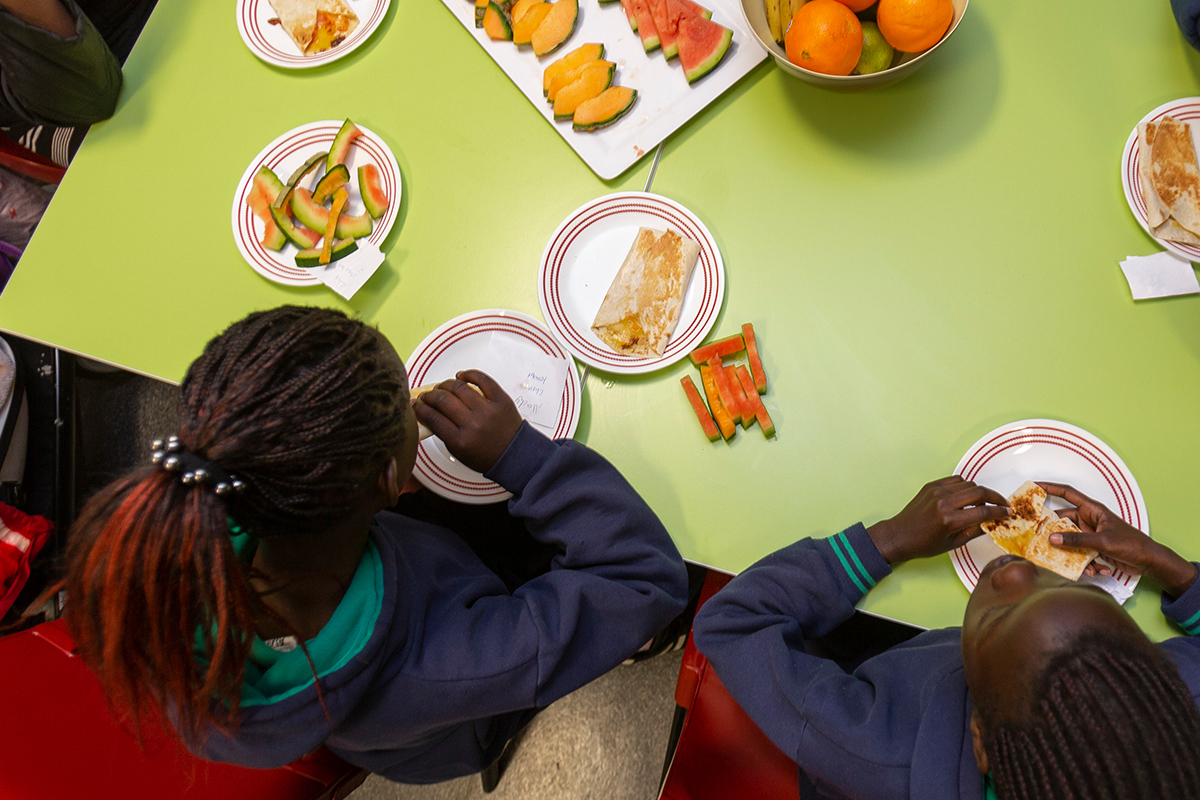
(1027, 533)
(1174, 172)
(642, 306)
(315, 25)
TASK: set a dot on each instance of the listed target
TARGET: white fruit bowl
(755, 12)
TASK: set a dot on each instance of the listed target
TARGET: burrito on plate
(642, 306)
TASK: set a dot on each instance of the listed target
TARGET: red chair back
(58, 741)
(24, 161)
(722, 754)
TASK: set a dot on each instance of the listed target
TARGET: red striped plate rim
(1186, 109)
(428, 467)
(709, 270)
(307, 138)
(253, 14)
(1115, 474)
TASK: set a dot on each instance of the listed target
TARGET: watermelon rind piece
(297, 176)
(370, 186)
(341, 145)
(297, 235)
(330, 182)
(701, 63)
(607, 120)
(311, 257)
(313, 215)
(268, 182)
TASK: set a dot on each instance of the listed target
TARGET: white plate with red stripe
(1186, 109)
(285, 155)
(584, 255)
(272, 44)
(1048, 450)
(460, 344)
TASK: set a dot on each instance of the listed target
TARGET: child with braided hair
(253, 588)
(1049, 690)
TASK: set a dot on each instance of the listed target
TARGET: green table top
(922, 262)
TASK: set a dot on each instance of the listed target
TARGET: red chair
(24, 161)
(721, 754)
(59, 742)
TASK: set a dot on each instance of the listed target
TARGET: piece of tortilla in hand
(642, 306)
(315, 25)
(1175, 173)
(1156, 212)
(423, 432)
(1027, 533)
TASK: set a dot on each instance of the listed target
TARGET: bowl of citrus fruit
(852, 44)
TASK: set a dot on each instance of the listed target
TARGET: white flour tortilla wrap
(299, 19)
(642, 306)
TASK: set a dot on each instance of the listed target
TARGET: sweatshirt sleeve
(618, 580)
(1184, 611)
(854, 731)
(47, 79)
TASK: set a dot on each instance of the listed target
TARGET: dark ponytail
(305, 406)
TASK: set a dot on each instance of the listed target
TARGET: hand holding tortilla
(423, 432)
(1115, 539)
(1169, 179)
(944, 515)
(472, 416)
(641, 309)
(1027, 532)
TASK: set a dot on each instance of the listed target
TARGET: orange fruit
(914, 26)
(857, 5)
(824, 37)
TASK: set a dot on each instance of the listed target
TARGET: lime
(876, 53)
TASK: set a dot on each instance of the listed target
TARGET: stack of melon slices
(680, 28)
(580, 85)
(545, 26)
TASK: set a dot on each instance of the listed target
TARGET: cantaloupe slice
(480, 10)
(576, 58)
(594, 79)
(521, 6)
(523, 29)
(496, 22)
(557, 27)
(605, 108)
(567, 78)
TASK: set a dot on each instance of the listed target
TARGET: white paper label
(1160, 275)
(533, 379)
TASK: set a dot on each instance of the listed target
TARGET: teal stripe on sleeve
(1190, 625)
(833, 542)
(861, 569)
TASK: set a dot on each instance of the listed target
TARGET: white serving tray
(665, 101)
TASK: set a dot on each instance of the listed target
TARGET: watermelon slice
(724, 390)
(720, 348)
(726, 424)
(645, 25)
(260, 204)
(706, 420)
(702, 44)
(756, 368)
(739, 397)
(695, 9)
(627, 5)
(756, 403)
(370, 186)
(667, 14)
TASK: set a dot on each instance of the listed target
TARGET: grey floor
(606, 740)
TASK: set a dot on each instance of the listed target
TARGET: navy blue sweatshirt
(453, 664)
(899, 726)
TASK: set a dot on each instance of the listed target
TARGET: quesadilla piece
(642, 306)
(1156, 212)
(1172, 231)
(1175, 173)
(315, 25)
(1027, 533)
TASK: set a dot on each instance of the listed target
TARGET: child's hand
(944, 515)
(1115, 539)
(476, 428)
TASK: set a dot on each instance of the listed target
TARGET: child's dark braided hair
(1108, 718)
(305, 406)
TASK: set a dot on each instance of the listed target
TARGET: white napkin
(348, 275)
(1160, 275)
(1118, 590)
(533, 379)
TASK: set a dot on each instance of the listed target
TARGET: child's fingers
(446, 403)
(972, 517)
(435, 420)
(491, 389)
(1068, 493)
(469, 394)
(972, 495)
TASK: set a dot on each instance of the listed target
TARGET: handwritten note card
(348, 275)
(534, 380)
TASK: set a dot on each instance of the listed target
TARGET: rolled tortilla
(315, 25)
(642, 306)
(1175, 173)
